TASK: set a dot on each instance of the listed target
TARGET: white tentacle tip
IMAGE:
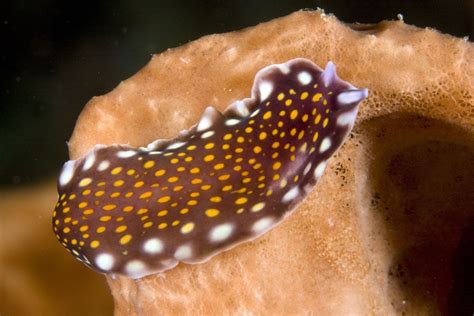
(329, 73)
(352, 96)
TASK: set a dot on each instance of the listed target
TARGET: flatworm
(228, 179)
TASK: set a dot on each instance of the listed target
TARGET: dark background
(56, 55)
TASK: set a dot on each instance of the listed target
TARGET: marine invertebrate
(229, 179)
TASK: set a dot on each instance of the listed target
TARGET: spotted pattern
(234, 176)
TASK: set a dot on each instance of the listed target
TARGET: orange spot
(215, 199)
(121, 229)
(149, 164)
(125, 239)
(241, 200)
(224, 177)
(172, 179)
(116, 170)
(160, 172)
(118, 183)
(105, 218)
(164, 199)
(162, 213)
(227, 188)
(212, 212)
(206, 187)
(195, 170)
(128, 208)
(317, 97)
(209, 146)
(208, 158)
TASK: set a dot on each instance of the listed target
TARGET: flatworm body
(228, 179)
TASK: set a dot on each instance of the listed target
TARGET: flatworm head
(228, 179)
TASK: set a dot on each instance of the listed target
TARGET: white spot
(67, 173)
(207, 134)
(262, 225)
(136, 269)
(183, 252)
(255, 112)
(307, 188)
(265, 89)
(126, 153)
(221, 232)
(155, 152)
(86, 260)
(154, 145)
(176, 145)
(307, 168)
(103, 165)
(284, 68)
(241, 108)
(153, 245)
(352, 96)
(204, 123)
(325, 144)
(105, 261)
(304, 78)
(169, 263)
(89, 161)
(318, 172)
(347, 118)
(291, 194)
(231, 122)
(329, 74)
